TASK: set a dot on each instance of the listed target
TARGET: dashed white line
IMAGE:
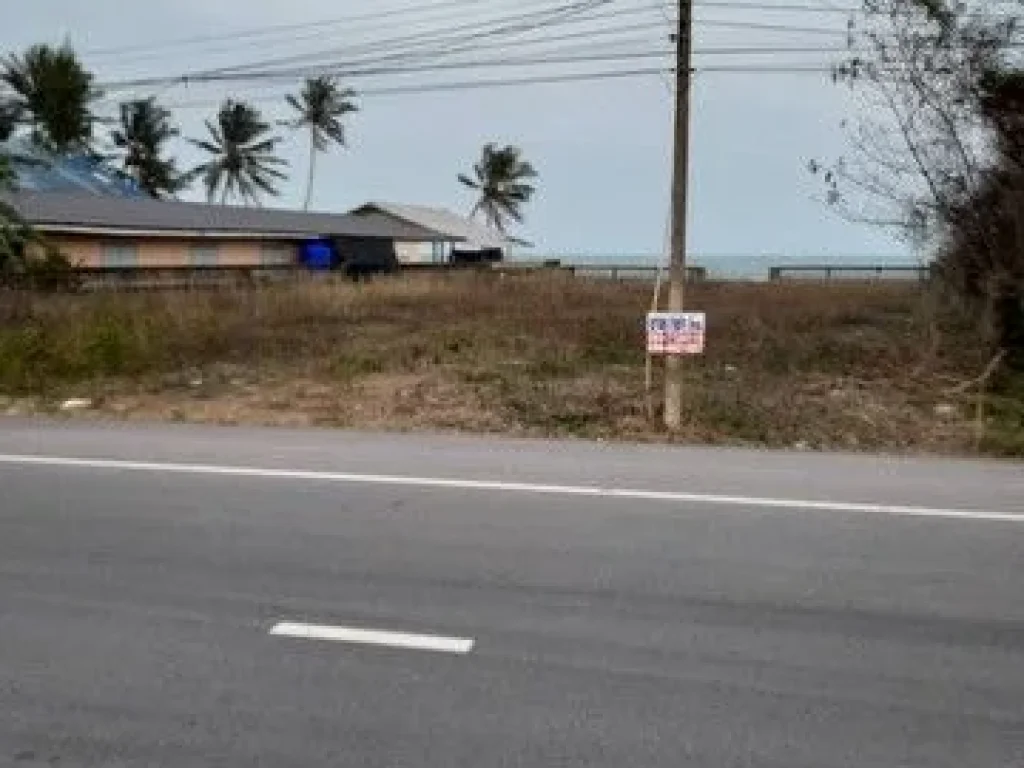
(357, 636)
(500, 486)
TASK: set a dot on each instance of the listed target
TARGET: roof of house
(38, 170)
(93, 213)
(457, 228)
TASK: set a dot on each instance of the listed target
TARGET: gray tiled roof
(53, 210)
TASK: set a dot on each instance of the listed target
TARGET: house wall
(420, 253)
(97, 251)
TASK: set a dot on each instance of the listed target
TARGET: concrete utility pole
(680, 183)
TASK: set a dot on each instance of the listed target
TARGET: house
(454, 233)
(97, 230)
(97, 217)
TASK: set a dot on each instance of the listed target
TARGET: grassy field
(848, 366)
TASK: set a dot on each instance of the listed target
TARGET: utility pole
(680, 184)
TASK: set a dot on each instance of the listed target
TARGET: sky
(602, 148)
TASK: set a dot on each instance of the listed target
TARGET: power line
(622, 56)
(350, 68)
(469, 85)
(526, 62)
(781, 7)
(225, 45)
(436, 42)
(764, 27)
(203, 77)
(427, 43)
(254, 32)
(487, 63)
(505, 25)
(579, 77)
(415, 10)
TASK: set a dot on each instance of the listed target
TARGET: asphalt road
(709, 608)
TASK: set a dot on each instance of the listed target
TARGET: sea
(732, 266)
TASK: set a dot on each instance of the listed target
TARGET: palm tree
(17, 238)
(321, 106)
(502, 179)
(144, 130)
(10, 116)
(242, 162)
(51, 92)
(9, 220)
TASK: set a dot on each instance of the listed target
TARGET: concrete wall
(90, 250)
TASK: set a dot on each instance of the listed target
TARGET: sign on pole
(675, 333)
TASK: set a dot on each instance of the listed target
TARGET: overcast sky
(602, 148)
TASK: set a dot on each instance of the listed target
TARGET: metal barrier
(128, 279)
(605, 271)
(694, 274)
(849, 271)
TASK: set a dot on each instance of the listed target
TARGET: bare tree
(937, 152)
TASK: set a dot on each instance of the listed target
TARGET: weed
(841, 364)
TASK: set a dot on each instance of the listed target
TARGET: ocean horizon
(728, 266)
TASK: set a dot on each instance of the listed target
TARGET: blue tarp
(318, 254)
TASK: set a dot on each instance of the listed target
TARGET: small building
(97, 231)
(453, 234)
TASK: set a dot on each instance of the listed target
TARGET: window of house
(277, 254)
(120, 255)
(204, 255)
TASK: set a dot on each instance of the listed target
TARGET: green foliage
(142, 136)
(503, 179)
(37, 355)
(24, 356)
(25, 258)
(1004, 410)
(242, 163)
(108, 346)
(7, 176)
(12, 230)
(52, 93)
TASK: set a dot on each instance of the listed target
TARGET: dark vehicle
(479, 256)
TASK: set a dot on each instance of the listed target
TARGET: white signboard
(675, 333)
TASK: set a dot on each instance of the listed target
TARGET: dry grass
(827, 366)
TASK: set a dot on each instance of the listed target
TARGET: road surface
(184, 596)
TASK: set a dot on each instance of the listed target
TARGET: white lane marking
(356, 636)
(511, 487)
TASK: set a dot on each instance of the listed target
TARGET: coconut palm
(502, 178)
(16, 236)
(8, 179)
(242, 162)
(9, 219)
(50, 91)
(10, 116)
(321, 106)
(144, 130)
